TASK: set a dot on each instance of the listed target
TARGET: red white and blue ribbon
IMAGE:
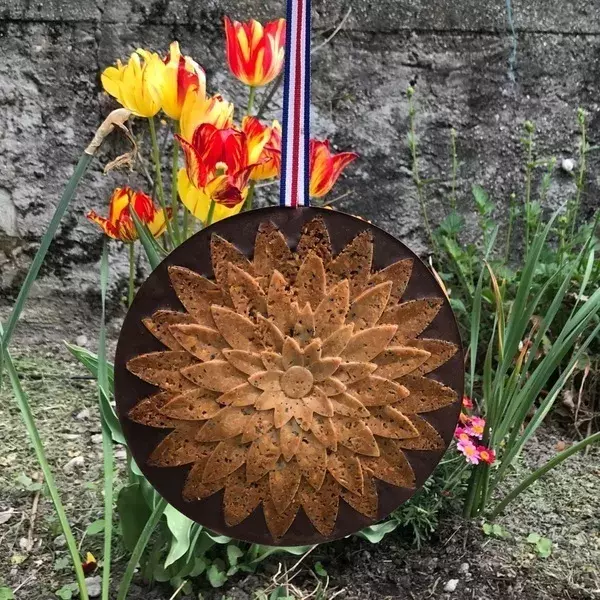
(295, 157)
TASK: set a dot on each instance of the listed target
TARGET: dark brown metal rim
(157, 293)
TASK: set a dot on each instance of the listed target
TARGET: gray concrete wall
(458, 55)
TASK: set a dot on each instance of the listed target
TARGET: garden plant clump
(527, 300)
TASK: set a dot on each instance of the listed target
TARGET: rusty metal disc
(289, 376)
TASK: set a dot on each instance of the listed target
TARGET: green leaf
(95, 528)
(453, 224)
(66, 591)
(147, 240)
(544, 547)
(320, 569)
(216, 577)
(533, 538)
(6, 593)
(179, 526)
(133, 514)
(220, 539)
(375, 533)
(234, 553)
(62, 563)
(482, 200)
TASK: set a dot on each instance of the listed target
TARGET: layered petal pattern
(293, 381)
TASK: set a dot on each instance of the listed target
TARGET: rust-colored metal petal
(216, 375)
(291, 354)
(227, 457)
(284, 481)
(159, 326)
(365, 345)
(242, 498)
(412, 318)
(368, 307)
(196, 293)
(279, 523)
(325, 368)
(353, 263)
(239, 332)
(334, 345)
(377, 391)
(321, 506)
(349, 372)
(347, 405)
(346, 469)
(355, 435)
(388, 422)
(202, 342)
(246, 362)
(148, 411)
(279, 304)
(312, 460)
(428, 438)
(318, 402)
(367, 502)
(425, 395)
(397, 361)
(179, 448)
(242, 395)
(194, 405)
(290, 438)
(228, 423)
(271, 252)
(195, 489)
(163, 369)
(224, 253)
(304, 328)
(260, 422)
(311, 281)
(440, 353)
(268, 334)
(245, 292)
(262, 456)
(332, 310)
(315, 238)
(399, 274)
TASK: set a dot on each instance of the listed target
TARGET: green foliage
(541, 545)
(494, 530)
(6, 593)
(67, 591)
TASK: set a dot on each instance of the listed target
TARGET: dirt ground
(564, 507)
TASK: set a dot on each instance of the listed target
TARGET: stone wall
(469, 72)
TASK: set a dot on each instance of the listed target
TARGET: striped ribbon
(295, 159)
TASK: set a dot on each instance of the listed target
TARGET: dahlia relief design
(294, 380)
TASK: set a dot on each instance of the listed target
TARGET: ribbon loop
(295, 159)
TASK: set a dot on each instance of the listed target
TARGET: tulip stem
(159, 181)
(174, 172)
(211, 212)
(131, 274)
(186, 213)
(251, 97)
(250, 196)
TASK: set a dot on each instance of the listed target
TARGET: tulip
(325, 168)
(255, 53)
(264, 147)
(119, 225)
(181, 74)
(137, 85)
(217, 166)
(197, 109)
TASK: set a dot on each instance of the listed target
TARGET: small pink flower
(467, 402)
(470, 451)
(462, 435)
(476, 427)
(487, 455)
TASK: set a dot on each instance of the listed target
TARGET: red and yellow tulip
(138, 85)
(255, 53)
(198, 109)
(217, 168)
(181, 74)
(119, 224)
(264, 144)
(325, 167)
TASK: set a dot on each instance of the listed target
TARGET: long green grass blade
(551, 464)
(90, 361)
(140, 546)
(40, 255)
(38, 446)
(107, 443)
(147, 240)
